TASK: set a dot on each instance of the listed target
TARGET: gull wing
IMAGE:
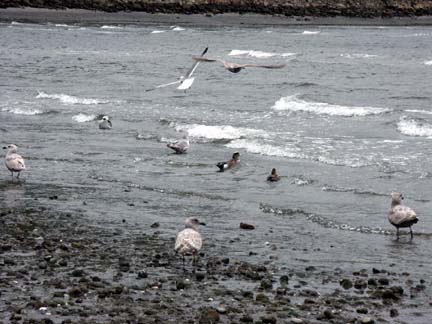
(274, 66)
(195, 65)
(164, 85)
(205, 59)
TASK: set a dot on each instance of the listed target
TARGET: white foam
(420, 111)
(15, 23)
(258, 54)
(62, 25)
(157, 31)
(308, 32)
(20, 111)
(292, 103)
(82, 118)
(70, 100)
(111, 27)
(428, 62)
(178, 29)
(220, 132)
(412, 127)
(357, 55)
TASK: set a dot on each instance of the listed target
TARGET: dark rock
(346, 283)
(261, 298)
(247, 226)
(246, 319)
(268, 319)
(225, 261)
(372, 282)
(142, 274)
(266, 284)
(283, 280)
(362, 310)
(360, 284)
(77, 273)
(394, 312)
(155, 225)
(383, 281)
(209, 316)
(200, 276)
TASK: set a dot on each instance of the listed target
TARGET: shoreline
(91, 17)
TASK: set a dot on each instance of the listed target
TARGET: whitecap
(157, 31)
(111, 27)
(20, 111)
(258, 54)
(220, 132)
(308, 32)
(178, 29)
(420, 111)
(358, 55)
(428, 62)
(293, 103)
(62, 25)
(70, 100)
(82, 118)
(412, 127)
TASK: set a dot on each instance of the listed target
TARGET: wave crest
(258, 54)
(414, 127)
(82, 118)
(293, 103)
(70, 100)
(220, 132)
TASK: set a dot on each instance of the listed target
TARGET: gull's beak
(202, 223)
(4, 147)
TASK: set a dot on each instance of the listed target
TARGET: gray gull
(13, 161)
(401, 216)
(189, 241)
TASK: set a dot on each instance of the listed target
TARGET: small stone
(225, 261)
(296, 320)
(346, 283)
(247, 226)
(383, 281)
(261, 298)
(142, 274)
(362, 310)
(221, 310)
(266, 284)
(209, 316)
(360, 284)
(394, 312)
(283, 280)
(77, 273)
(268, 319)
(367, 320)
(155, 225)
(246, 319)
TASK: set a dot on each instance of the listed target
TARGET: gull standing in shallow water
(189, 241)
(180, 146)
(235, 67)
(105, 123)
(401, 216)
(184, 81)
(13, 161)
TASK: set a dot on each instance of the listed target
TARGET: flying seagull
(13, 161)
(184, 81)
(235, 67)
(401, 216)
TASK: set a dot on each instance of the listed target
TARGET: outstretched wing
(275, 66)
(195, 65)
(205, 59)
(164, 85)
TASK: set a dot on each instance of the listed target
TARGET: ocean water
(346, 122)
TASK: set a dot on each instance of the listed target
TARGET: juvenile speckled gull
(13, 161)
(189, 241)
(105, 123)
(184, 81)
(180, 146)
(401, 216)
(236, 67)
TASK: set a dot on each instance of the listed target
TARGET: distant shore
(89, 17)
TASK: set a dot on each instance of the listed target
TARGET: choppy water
(346, 122)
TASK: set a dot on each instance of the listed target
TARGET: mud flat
(81, 16)
(58, 267)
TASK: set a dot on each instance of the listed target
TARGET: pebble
(367, 320)
(209, 316)
(295, 320)
(247, 226)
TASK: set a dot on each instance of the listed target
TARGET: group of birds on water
(189, 241)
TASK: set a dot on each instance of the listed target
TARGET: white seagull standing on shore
(235, 67)
(401, 216)
(184, 81)
(13, 161)
(189, 241)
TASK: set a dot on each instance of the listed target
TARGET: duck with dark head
(230, 163)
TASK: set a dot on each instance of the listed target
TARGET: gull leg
(184, 269)
(411, 232)
(18, 175)
(397, 233)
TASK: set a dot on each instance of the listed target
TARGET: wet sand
(71, 16)
(58, 267)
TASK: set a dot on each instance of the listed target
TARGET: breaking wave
(309, 32)
(428, 62)
(220, 132)
(70, 100)
(82, 118)
(414, 127)
(258, 54)
(357, 55)
(111, 27)
(20, 111)
(293, 103)
(178, 29)
(158, 31)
